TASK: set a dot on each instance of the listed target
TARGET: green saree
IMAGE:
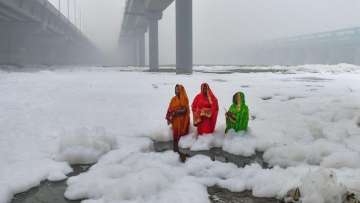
(238, 121)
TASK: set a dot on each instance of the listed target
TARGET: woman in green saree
(237, 117)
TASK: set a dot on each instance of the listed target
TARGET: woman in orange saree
(178, 115)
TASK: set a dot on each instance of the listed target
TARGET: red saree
(205, 110)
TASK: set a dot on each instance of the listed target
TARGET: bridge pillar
(141, 49)
(4, 44)
(184, 37)
(357, 57)
(134, 51)
(153, 18)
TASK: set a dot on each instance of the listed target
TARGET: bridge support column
(153, 45)
(357, 56)
(154, 40)
(4, 43)
(9, 48)
(134, 51)
(184, 37)
(141, 49)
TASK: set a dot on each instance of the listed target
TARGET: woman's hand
(179, 112)
(206, 112)
(230, 116)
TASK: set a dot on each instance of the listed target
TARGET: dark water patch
(219, 80)
(308, 79)
(162, 70)
(313, 79)
(168, 84)
(266, 98)
(163, 146)
(351, 90)
(295, 97)
(312, 85)
(215, 71)
(19, 68)
(221, 195)
(292, 98)
(241, 70)
(216, 154)
(49, 192)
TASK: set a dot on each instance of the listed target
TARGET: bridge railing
(45, 15)
(332, 36)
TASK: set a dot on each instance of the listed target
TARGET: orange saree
(178, 114)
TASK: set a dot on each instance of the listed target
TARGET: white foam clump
(161, 134)
(18, 177)
(242, 143)
(321, 152)
(204, 142)
(85, 146)
(159, 177)
(345, 159)
(321, 186)
(319, 68)
(140, 177)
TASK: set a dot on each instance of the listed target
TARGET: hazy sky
(101, 19)
(222, 27)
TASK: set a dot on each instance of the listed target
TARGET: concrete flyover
(333, 47)
(141, 16)
(35, 32)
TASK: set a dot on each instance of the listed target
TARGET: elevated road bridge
(333, 47)
(142, 16)
(35, 32)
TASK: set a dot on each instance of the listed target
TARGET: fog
(100, 20)
(222, 28)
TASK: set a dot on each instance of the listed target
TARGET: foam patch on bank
(242, 143)
(317, 125)
(85, 146)
(322, 186)
(160, 177)
(29, 174)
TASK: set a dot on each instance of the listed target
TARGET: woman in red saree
(178, 115)
(205, 110)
